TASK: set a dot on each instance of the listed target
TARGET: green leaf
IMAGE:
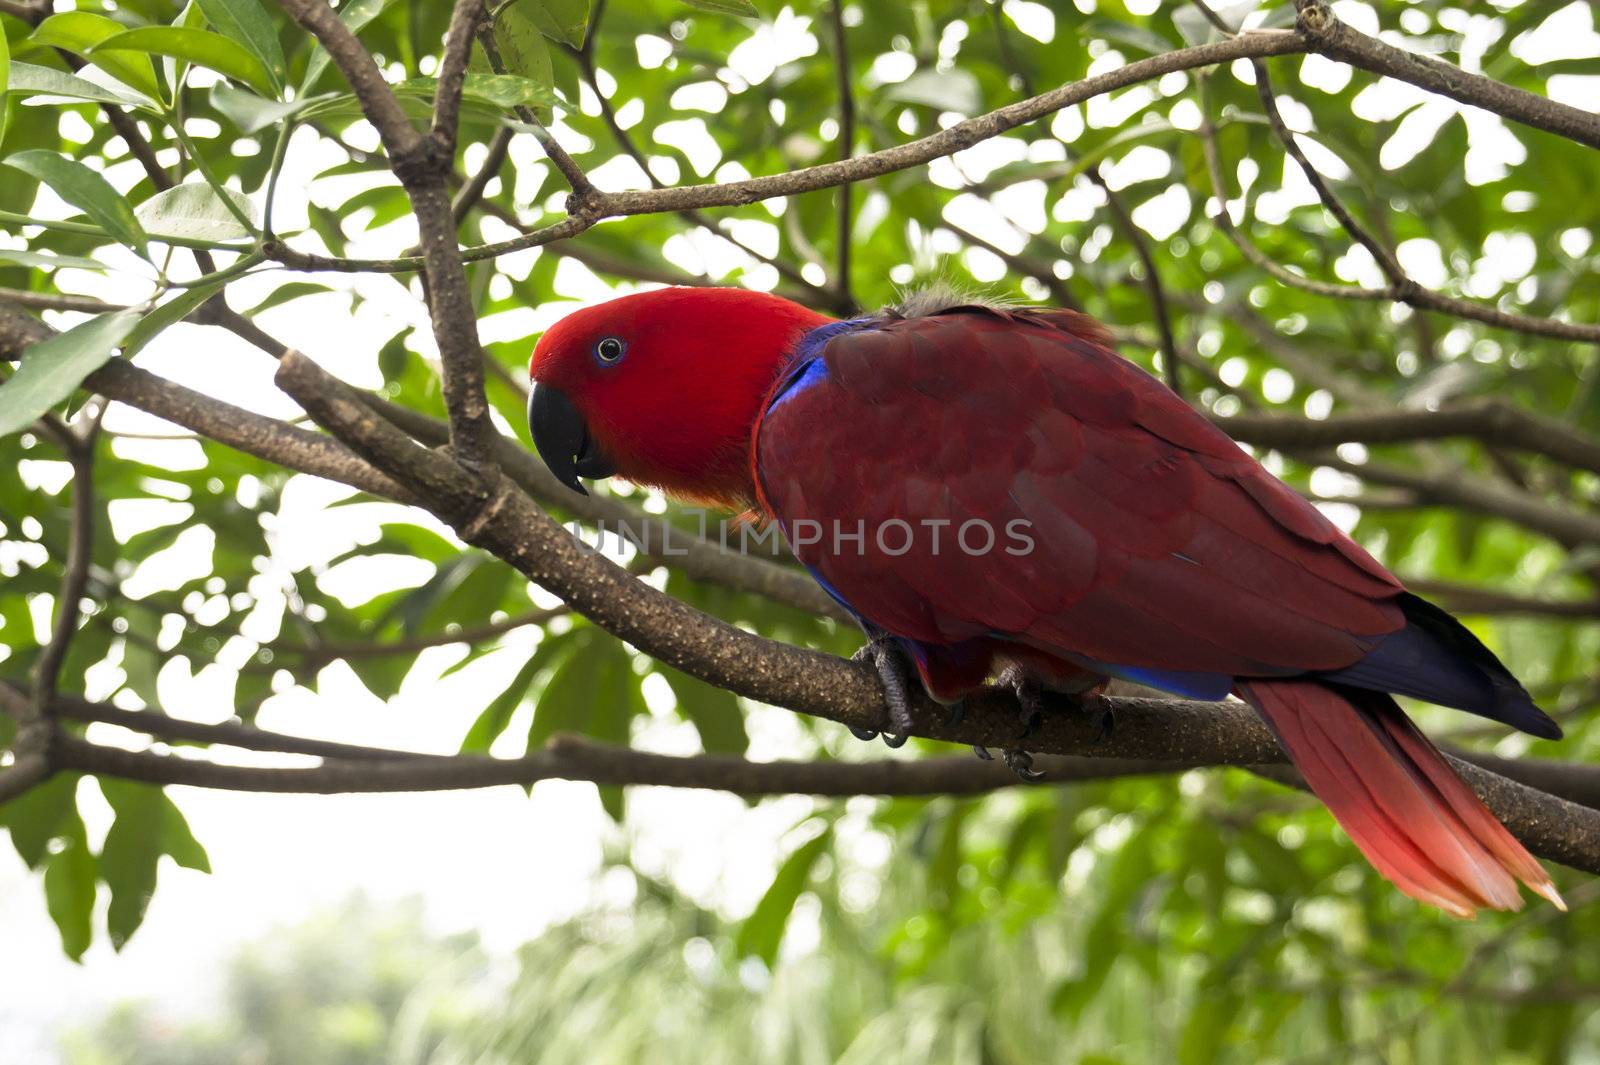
(762, 932)
(945, 90)
(252, 113)
(200, 47)
(147, 826)
(194, 210)
(355, 15)
(284, 293)
(85, 190)
(713, 712)
(49, 262)
(497, 715)
(522, 45)
(52, 368)
(1136, 37)
(560, 20)
(169, 313)
(246, 22)
(83, 32)
(70, 890)
(39, 815)
(739, 8)
(28, 79)
(499, 91)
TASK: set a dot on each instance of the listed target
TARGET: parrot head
(662, 388)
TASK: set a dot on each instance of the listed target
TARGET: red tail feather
(1416, 820)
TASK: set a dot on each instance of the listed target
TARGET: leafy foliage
(1207, 918)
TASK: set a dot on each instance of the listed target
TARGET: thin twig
(471, 193)
(453, 74)
(58, 301)
(847, 138)
(1152, 280)
(80, 451)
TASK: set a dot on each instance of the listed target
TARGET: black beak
(563, 440)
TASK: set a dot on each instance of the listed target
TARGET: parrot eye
(608, 350)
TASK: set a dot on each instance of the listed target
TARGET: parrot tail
(1393, 791)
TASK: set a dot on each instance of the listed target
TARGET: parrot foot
(1108, 724)
(1030, 699)
(889, 660)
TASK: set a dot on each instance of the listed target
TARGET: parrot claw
(955, 713)
(1021, 763)
(982, 752)
(1108, 725)
(866, 734)
(889, 660)
(1030, 699)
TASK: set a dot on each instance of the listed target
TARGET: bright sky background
(495, 861)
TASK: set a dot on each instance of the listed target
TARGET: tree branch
(1336, 40)
(30, 768)
(1488, 421)
(75, 567)
(57, 301)
(1466, 599)
(453, 74)
(1404, 290)
(847, 139)
(1152, 281)
(470, 194)
(822, 295)
(400, 138)
(828, 175)
(582, 189)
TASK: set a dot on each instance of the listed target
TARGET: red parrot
(993, 491)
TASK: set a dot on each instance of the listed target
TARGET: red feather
(1159, 543)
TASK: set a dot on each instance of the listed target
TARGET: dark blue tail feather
(1438, 659)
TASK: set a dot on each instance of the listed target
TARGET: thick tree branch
(1336, 40)
(287, 445)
